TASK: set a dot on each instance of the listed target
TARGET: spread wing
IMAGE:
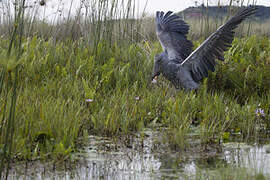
(203, 58)
(171, 32)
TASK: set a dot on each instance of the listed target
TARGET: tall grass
(52, 111)
(91, 75)
(94, 21)
(12, 57)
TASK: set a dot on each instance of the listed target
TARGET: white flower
(89, 100)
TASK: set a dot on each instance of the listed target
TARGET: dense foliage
(67, 90)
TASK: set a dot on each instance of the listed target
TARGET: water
(256, 157)
(150, 158)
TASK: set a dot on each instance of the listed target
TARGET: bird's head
(158, 64)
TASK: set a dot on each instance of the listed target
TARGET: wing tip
(160, 15)
(248, 11)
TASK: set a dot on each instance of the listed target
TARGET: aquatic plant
(9, 74)
(69, 87)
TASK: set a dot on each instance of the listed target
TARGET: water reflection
(146, 158)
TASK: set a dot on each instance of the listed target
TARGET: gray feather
(203, 58)
(183, 68)
(171, 32)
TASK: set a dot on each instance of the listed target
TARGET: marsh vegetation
(90, 75)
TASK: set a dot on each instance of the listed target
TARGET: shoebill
(177, 63)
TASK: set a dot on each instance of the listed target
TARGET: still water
(151, 157)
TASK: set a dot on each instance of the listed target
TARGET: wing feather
(203, 58)
(171, 32)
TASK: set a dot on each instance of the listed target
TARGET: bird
(185, 68)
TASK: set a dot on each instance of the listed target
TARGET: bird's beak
(154, 79)
(154, 76)
(156, 69)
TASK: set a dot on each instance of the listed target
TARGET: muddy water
(148, 157)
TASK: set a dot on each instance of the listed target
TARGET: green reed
(8, 117)
(94, 79)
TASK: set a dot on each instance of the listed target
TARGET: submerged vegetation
(99, 84)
